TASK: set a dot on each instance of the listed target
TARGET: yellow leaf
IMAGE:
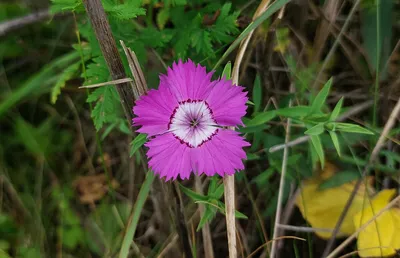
(382, 236)
(322, 208)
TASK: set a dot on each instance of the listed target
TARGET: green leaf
(106, 106)
(162, 18)
(38, 83)
(238, 214)
(65, 5)
(192, 194)
(370, 30)
(262, 118)
(316, 130)
(320, 99)
(208, 215)
(339, 179)
(225, 26)
(257, 93)
(294, 112)
(137, 143)
(252, 156)
(253, 129)
(128, 10)
(351, 128)
(336, 111)
(66, 75)
(201, 40)
(275, 6)
(335, 141)
(316, 143)
(226, 73)
(218, 192)
(134, 218)
(35, 140)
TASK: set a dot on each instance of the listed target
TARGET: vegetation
(323, 123)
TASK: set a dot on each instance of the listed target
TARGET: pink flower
(186, 120)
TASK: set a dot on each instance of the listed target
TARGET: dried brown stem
(14, 24)
(109, 49)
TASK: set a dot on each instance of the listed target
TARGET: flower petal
(222, 154)
(228, 103)
(187, 81)
(153, 111)
(169, 157)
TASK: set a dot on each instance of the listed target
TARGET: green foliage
(38, 83)
(68, 74)
(377, 36)
(66, 5)
(211, 200)
(127, 10)
(106, 106)
(339, 179)
(138, 142)
(257, 94)
(226, 73)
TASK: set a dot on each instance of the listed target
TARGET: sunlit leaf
(335, 141)
(262, 118)
(320, 99)
(322, 208)
(336, 111)
(381, 237)
(316, 130)
(316, 143)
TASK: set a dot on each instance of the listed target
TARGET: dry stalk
(229, 181)
(281, 184)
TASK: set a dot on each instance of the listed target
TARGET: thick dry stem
(229, 194)
(109, 49)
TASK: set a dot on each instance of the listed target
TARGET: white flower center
(192, 122)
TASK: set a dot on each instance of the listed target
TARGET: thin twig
(355, 234)
(304, 229)
(115, 82)
(281, 183)
(8, 26)
(229, 181)
(273, 240)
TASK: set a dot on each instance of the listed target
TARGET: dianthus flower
(186, 120)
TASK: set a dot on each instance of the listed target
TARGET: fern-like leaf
(126, 11)
(66, 75)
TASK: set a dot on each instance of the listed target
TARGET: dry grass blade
(229, 195)
(281, 183)
(141, 84)
(273, 240)
(106, 83)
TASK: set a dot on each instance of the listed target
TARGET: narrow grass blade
(270, 11)
(134, 218)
